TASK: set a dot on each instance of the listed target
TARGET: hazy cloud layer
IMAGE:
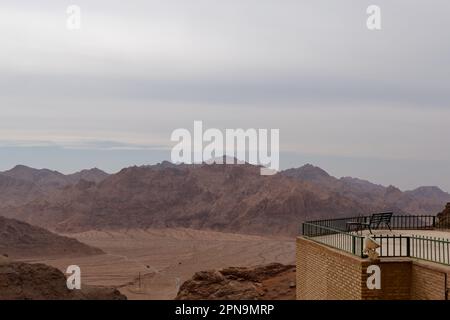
(341, 95)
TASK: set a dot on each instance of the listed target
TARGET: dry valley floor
(153, 263)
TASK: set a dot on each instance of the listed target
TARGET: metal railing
(405, 222)
(398, 222)
(393, 246)
(430, 249)
(334, 233)
(345, 241)
(419, 247)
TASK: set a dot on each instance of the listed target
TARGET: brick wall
(395, 280)
(324, 273)
(428, 282)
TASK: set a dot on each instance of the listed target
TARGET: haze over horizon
(372, 105)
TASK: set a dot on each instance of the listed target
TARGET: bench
(375, 221)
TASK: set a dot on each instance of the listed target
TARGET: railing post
(408, 247)
(354, 245)
(362, 247)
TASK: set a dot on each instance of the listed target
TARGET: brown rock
(263, 282)
(22, 281)
(444, 217)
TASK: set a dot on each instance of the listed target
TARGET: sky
(356, 102)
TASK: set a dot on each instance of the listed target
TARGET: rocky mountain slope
(22, 184)
(270, 282)
(23, 281)
(45, 178)
(92, 175)
(19, 239)
(423, 200)
(15, 192)
(42, 178)
(232, 198)
(444, 217)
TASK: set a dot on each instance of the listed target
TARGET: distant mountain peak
(95, 169)
(20, 167)
(392, 189)
(92, 175)
(47, 180)
(429, 189)
(430, 192)
(309, 172)
(91, 171)
(314, 170)
(27, 172)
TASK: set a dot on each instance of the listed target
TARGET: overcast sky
(370, 104)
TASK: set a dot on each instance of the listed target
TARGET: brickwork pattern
(395, 281)
(324, 273)
(427, 283)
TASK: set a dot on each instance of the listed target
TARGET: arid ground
(165, 258)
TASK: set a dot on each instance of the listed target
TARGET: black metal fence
(339, 224)
(405, 222)
(334, 233)
(431, 249)
(398, 222)
(419, 247)
(393, 245)
(345, 241)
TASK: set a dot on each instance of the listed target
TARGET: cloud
(138, 70)
(79, 145)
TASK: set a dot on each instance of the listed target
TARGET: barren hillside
(423, 200)
(19, 239)
(215, 197)
(230, 198)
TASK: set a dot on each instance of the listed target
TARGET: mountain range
(423, 200)
(22, 184)
(232, 198)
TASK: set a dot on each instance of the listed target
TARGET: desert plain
(153, 263)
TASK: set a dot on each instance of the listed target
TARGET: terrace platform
(414, 257)
(420, 237)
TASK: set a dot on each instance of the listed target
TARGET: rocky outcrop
(270, 282)
(22, 281)
(444, 217)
